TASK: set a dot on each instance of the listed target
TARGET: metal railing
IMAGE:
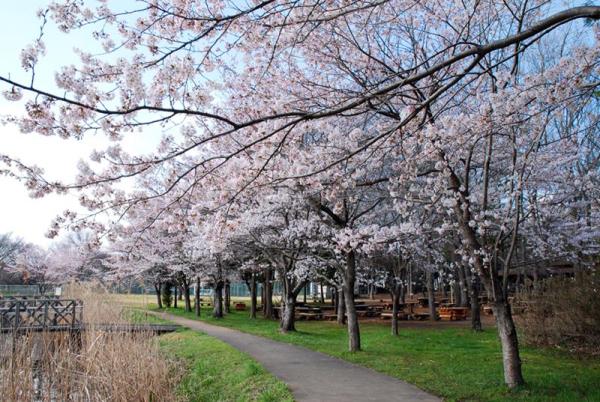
(22, 314)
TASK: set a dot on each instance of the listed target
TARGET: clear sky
(23, 216)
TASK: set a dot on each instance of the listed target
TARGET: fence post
(17, 315)
(46, 318)
(74, 314)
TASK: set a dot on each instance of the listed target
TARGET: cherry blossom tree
(438, 103)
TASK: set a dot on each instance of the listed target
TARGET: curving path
(310, 375)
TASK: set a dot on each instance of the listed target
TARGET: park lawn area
(214, 371)
(456, 364)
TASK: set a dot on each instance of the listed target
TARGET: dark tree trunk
(506, 328)
(475, 310)
(180, 293)
(410, 281)
(175, 296)
(253, 296)
(340, 306)
(334, 297)
(218, 300)
(197, 297)
(463, 286)
(287, 322)
(227, 297)
(349, 280)
(430, 296)
(262, 297)
(157, 287)
(186, 296)
(166, 295)
(304, 296)
(455, 293)
(395, 308)
(322, 293)
(510, 345)
(268, 302)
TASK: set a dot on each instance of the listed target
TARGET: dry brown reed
(98, 366)
(563, 312)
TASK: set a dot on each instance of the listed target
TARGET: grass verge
(456, 364)
(211, 370)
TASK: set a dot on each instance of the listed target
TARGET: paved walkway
(313, 376)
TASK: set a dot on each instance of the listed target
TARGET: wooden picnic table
(411, 306)
(423, 301)
(453, 313)
(401, 315)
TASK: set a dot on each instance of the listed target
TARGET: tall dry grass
(563, 312)
(100, 366)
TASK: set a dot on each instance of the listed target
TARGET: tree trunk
(455, 295)
(180, 293)
(227, 297)
(262, 297)
(268, 302)
(511, 360)
(463, 286)
(304, 296)
(395, 309)
(349, 279)
(506, 328)
(175, 296)
(157, 286)
(186, 296)
(287, 322)
(430, 296)
(218, 300)
(322, 293)
(475, 310)
(410, 281)
(253, 296)
(197, 297)
(340, 306)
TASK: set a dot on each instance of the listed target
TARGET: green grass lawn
(211, 370)
(456, 364)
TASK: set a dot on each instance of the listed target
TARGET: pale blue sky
(19, 214)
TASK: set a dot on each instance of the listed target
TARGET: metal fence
(18, 314)
(24, 290)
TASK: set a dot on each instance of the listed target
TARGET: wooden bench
(310, 316)
(453, 313)
(420, 316)
(388, 315)
(329, 316)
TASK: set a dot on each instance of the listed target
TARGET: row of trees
(332, 140)
(72, 258)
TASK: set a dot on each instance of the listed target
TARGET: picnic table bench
(453, 313)
(401, 315)
(420, 316)
(310, 316)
